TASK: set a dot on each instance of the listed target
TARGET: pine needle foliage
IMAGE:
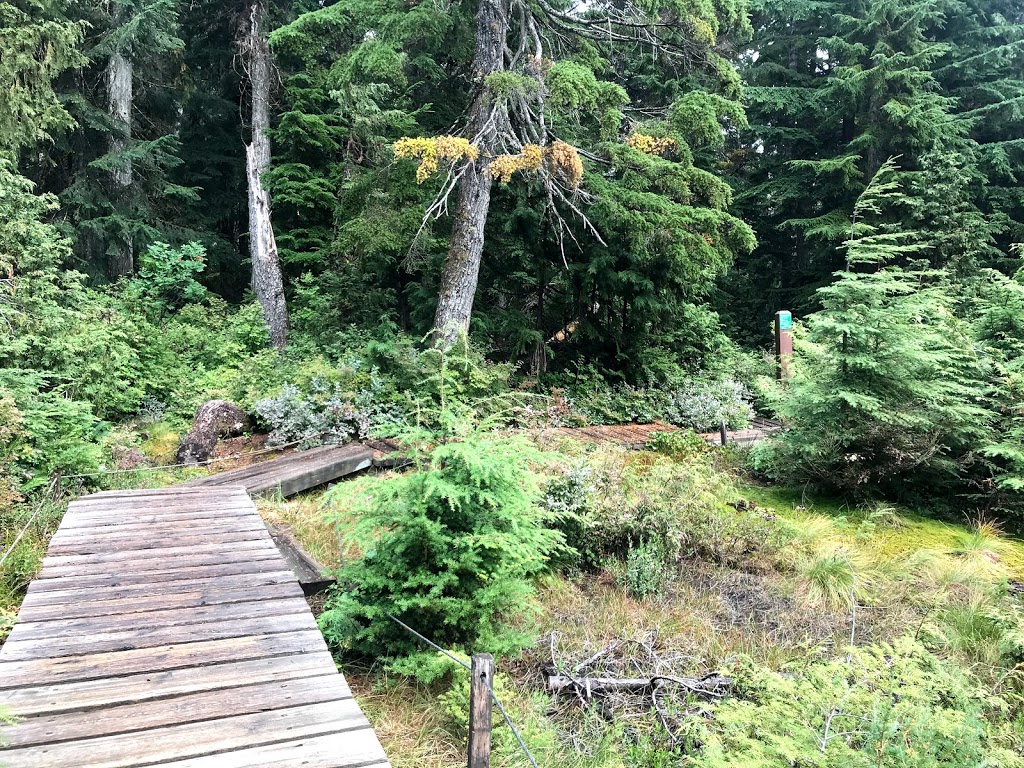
(882, 705)
(889, 388)
(448, 546)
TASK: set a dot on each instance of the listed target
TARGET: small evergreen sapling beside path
(448, 547)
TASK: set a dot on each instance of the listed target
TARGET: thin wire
(21, 533)
(429, 642)
(494, 696)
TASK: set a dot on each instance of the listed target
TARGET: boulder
(214, 419)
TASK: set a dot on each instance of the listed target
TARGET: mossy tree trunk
(465, 251)
(267, 281)
(120, 94)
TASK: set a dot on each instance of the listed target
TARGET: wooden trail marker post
(480, 708)
(783, 344)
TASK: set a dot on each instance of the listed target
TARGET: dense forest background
(619, 196)
(459, 224)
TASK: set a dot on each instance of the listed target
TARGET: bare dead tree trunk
(119, 104)
(462, 266)
(266, 267)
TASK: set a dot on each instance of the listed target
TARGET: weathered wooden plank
(156, 529)
(222, 496)
(90, 595)
(222, 480)
(75, 609)
(143, 517)
(186, 708)
(353, 749)
(192, 739)
(109, 691)
(99, 626)
(143, 493)
(157, 658)
(294, 473)
(157, 563)
(101, 642)
(178, 573)
(187, 537)
(170, 551)
(309, 572)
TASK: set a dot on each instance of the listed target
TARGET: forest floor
(766, 576)
(778, 605)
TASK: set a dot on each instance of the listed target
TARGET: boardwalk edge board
(197, 651)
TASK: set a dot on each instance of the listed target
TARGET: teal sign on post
(783, 343)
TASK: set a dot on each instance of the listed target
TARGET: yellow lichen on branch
(651, 145)
(561, 159)
(565, 160)
(431, 151)
(531, 159)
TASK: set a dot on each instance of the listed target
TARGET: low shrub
(449, 548)
(167, 276)
(324, 413)
(54, 432)
(696, 404)
(615, 503)
(644, 572)
(891, 705)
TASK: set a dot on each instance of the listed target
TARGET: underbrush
(25, 532)
(701, 404)
(678, 567)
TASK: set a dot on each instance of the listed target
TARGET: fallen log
(709, 685)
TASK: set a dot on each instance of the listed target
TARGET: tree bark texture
(267, 281)
(465, 251)
(119, 104)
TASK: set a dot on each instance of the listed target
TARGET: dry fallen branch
(712, 685)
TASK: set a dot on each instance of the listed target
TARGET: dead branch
(712, 685)
(603, 652)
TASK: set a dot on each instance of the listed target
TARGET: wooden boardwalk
(165, 629)
(293, 473)
(636, 436)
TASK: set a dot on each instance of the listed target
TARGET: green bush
(882, 705)
(55, 433)
(681, 446)
(887, 391)
(448, 548)
(644, 571)
(12, 432)
(167, 275)
(684, 509)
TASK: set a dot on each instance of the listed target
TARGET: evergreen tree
(888, 388)
(522, 108)
(999, 330)
(39, 42)
(112, 172)
(836, 87)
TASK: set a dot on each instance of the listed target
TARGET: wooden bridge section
(166, 629)
(293, 473)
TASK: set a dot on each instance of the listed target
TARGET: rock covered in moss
(214, 419)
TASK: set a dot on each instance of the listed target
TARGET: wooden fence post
(783, 344)
(481, 676)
